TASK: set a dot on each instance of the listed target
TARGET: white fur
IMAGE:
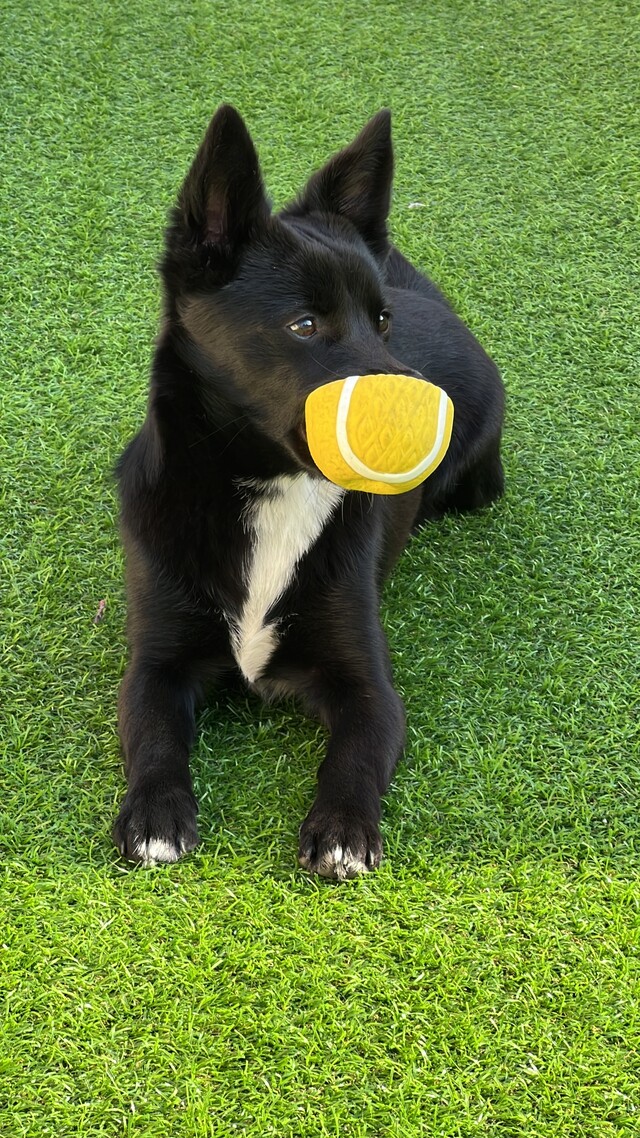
(284, 522)
(157, 850)
(341, 863)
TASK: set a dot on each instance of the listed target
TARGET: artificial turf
(487, 979)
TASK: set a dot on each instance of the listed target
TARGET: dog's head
(276, 304)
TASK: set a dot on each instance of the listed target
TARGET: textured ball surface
(383, 434)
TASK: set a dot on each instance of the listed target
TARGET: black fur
(225, 415)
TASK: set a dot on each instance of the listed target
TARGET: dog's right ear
(222, 201)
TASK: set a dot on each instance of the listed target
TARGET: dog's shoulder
(401, 274)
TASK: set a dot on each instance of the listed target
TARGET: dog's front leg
(340, 835)
(157, 820)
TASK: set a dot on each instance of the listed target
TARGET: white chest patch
(283, 523)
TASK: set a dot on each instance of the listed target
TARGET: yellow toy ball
(383, 434)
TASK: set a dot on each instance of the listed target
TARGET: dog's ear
(356, 183)
(222, 200)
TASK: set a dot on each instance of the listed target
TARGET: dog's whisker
(323, 366)
(234, 437)
(217, 431)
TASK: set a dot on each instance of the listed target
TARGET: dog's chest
(283, 521)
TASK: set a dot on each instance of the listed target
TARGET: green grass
(487, 979)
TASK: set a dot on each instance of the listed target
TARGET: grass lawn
(487, 980)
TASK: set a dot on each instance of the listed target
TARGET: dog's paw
(339, 844)
(156, 823)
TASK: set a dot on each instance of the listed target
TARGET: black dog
(240, 555)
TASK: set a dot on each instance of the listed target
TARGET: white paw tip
(341, 863)
(157, 849)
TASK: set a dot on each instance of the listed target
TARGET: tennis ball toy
(383, 434)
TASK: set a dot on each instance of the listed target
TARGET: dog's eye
(384, 322)
(304, 327)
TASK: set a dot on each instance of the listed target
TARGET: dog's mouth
(300, 447)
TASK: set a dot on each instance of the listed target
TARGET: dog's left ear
(356, 183)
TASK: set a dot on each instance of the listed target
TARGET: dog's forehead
(293, 268)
